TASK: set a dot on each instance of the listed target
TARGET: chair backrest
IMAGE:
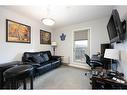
(87, 59)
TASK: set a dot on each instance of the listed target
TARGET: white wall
(13, 51)
(122, 46)
(98, 35)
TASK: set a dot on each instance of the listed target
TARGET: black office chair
(93, 63)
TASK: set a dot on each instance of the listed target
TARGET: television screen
(114, 27)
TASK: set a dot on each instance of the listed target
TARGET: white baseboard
(79, 66)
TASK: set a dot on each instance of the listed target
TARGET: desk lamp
(54, 45)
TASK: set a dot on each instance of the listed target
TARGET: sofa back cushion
(46, 53)
(37, 59)
(28, 56)
(36, 56)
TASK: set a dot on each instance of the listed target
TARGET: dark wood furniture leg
(24, 84)
(31, 82)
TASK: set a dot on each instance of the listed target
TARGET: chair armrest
(96, 62)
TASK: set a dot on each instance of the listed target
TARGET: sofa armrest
(56, 58)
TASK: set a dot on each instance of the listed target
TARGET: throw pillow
(30, 59)
(38, 59)
(46, 57)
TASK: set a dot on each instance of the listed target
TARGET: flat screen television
(114, 27)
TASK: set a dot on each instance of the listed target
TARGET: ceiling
(63, 15)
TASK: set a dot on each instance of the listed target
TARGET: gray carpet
(63, 77)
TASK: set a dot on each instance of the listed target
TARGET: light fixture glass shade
(111, 54)
(54, 44)
(48, 21)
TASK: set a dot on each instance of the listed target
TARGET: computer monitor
(103, 47)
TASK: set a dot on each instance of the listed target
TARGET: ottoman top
(9, 65)
(17, 70)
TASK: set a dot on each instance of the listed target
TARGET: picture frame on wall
(45, 37)
(17, 32)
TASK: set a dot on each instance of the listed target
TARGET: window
(80, 48)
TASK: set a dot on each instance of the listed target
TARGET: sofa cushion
(54, 61)
(37, 59)
(49, 62)
(43, 69)
(44, 63)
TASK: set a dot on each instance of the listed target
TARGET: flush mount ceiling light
(48, 21)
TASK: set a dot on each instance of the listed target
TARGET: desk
(106, 83)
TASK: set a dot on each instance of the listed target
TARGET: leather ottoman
(18, 73)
